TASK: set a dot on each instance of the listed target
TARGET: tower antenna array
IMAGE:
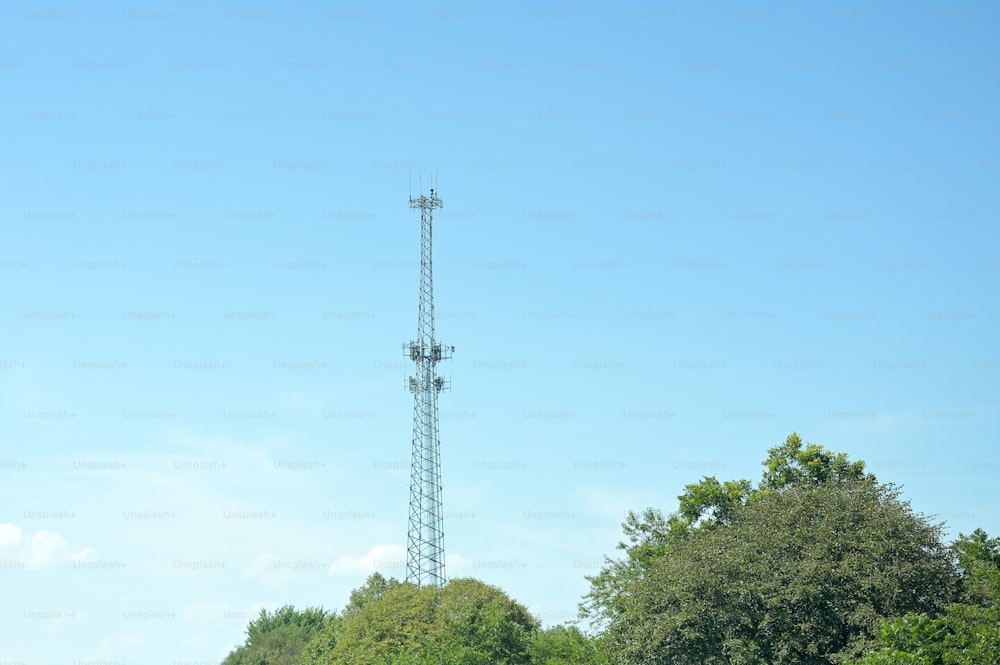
(425, 540)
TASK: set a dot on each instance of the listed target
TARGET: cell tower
(425, 542)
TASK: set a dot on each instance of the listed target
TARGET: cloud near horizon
(37, 550)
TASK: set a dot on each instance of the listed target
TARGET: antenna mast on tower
(425, 541)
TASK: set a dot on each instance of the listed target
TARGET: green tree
(791, 464)
(979, 558)
(374, 588)
(704, 505)
(483, 623)
(324, 641)
(400, 620)
(964, 635)
(277, 638)
(566, 645)
(465, 622)
(647, 537)
(317, 649)
(967, 633)
(801, 575)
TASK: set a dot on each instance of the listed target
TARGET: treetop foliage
(707, 504)
(810, 565)
(800, 576)
(790, 465)
(388, 622)
(278, 637)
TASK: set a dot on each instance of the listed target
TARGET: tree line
(818, 563)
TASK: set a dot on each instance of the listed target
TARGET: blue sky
(672, 235)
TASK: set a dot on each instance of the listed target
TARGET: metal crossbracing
(425, 541)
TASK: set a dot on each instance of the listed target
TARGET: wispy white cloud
(389, 560)
(262, 567)
(37, 550)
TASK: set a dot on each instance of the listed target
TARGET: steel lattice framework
(425, 542)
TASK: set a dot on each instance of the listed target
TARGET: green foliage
(484, 622)
(648, 535)
(374, 588)
(464, 623)
(966, 633)
(979, 559)
(799, 569)
(977, 548)
(706, 504)
(566, 645)
(796, 577)
(906, 635)
(277, 638)
(791, 465)
(713, 502)
(323, 641)
(387, 622)
(400, 620)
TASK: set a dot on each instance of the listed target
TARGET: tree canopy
(706, 504)
(388, 622)
(466, 621)
(565, 645)
(798, 569)
(278, 638)
(798, 577)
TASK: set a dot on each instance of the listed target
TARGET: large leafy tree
(465, 622)
(799, 576)
(483, 624)
(800, 568)
(277, 638)
(704, 505)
